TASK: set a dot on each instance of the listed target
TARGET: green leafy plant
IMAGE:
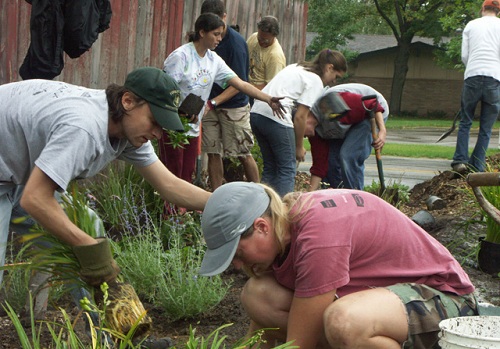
(464, 244)
(160, 258)
(233, 168)
(213, 341)
(57, 258)
(119, 193)
(185, 294)
(15, 283)
(169, 276)
(179, 139)
(492, 194)
(395, 193)
(63, 334)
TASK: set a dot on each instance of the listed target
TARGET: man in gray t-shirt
(53, 132)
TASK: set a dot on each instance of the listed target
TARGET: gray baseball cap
(230, 211)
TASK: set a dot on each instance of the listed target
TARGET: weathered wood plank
(143, 32)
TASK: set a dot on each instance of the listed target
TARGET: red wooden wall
(144, 32)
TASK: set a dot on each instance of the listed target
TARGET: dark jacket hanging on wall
(58, 26)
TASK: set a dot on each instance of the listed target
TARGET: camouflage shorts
(425, 308)
(227, 132)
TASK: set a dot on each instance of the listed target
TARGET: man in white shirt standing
(481, 56)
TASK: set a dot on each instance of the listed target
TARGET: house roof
(363, 43)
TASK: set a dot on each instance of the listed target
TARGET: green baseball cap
(161, 92)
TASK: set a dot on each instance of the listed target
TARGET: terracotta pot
(489, 257)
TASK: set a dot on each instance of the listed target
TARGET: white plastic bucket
(479, 332)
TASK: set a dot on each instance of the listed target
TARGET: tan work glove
(96, 263)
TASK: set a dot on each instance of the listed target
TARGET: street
(410, 171)
(407, 171)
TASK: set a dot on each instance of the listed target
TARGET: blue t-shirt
(233, 50)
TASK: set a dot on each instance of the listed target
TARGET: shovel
(485, 179)
(373, 124)
(452, 128)
(197, 180)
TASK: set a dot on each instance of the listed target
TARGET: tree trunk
(399, 77)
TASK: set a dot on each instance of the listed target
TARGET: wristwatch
(212, 103)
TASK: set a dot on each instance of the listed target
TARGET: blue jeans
(477, 89)
(277, 145)
(9, 211)
(346, 159)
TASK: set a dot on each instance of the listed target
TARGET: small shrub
(184, 293)
(162, 265)
(15, 288)
(233, 169)
(117, 195)
(395, 193)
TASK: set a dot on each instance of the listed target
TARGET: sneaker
(460, 168)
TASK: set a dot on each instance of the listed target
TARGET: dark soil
(449, 227)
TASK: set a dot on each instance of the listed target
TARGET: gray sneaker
(460, 168)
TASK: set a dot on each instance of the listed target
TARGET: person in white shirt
(281, 138)
(481, 56)
(196, 67)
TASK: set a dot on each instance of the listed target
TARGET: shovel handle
(483, 179)
(364, 98)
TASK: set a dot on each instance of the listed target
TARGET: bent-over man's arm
(39, 201)
(172, 188)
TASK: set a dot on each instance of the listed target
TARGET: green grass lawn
(423, 150)
(398, 122)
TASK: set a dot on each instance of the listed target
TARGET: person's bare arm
(382, 132)
(252, 91)
(305, 321)
(172, 188)
(314, 183)
(38, 200)
(299, 126)
(260, 86)
(226, 95)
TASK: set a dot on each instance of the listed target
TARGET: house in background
(428, 90)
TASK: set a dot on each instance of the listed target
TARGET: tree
(454, 21)
(332, 21)
(408, 18)
(404, 19)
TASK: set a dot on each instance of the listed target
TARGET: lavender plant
(159, 257)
